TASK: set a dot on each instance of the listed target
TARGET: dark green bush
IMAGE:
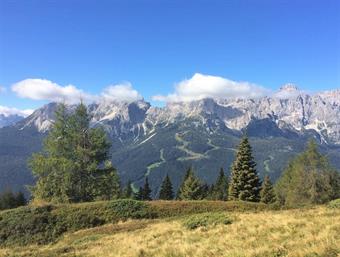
(335, 204)
(206, 219)
(165, 209)
(46, 224)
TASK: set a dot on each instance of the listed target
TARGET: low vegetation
(47, 223)
(309, 232)
(206, 220)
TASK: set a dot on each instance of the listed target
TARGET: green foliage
(128, 191)
(74, 166)
(245, 183)
(219, 191)
(191, 188)
(46, 224)
(334, 204)
(165, 209)
(166, 192)
(267, 192)
(206, 219)
(144, 193)
(9, 200)
(308, 179)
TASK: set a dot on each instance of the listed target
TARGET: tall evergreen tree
(308, 179)
(191, 188)
(166, 192)
(128, 191)
(74, 165)
(267, 193)
(144, 193)
(245, 183)
(220, 188)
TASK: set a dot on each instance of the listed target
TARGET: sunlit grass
(303, 232)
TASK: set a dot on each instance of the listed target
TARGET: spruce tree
(267, 193)
(245, 183)
(146, 193)
(139, 194)
(191, 188)
(74, 165)
(187, 173)
(128, 191)
(219, 190)
(166, 192)
(308, 179)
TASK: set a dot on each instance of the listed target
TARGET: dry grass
(304, 232)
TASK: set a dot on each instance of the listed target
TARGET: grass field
(302, 232)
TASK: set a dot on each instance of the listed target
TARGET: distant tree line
(74, 166)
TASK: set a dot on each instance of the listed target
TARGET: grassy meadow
(307, 232)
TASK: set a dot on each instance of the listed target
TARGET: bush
(206, 219)
(165, 209)
(46, 223)
(335, 204)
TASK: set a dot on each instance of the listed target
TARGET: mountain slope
(151, 141)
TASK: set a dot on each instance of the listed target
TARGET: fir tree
(245, 183)
(219, 190)
(191, 188)
(139, 194)
(187, 173)
(74, 165)
(144, 193)
(166, 192)
(267, 193)
(308, 179)
(128, 191)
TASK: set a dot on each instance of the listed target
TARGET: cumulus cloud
(42, 89)
(7, 111)
(121, 92)
(206, 86)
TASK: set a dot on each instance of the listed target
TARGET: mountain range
(155, 141)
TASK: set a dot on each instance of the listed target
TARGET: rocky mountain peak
(289, 87)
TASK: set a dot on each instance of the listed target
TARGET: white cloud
(205, 86)
(42, 89)
(7, 111)
(121, 92)
(2, 89)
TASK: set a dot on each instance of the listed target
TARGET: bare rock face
(289, 108)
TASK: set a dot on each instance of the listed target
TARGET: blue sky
(155, 44)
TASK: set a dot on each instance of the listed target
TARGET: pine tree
(128, 191)
(308, 179)
(166, 192)
(74, 165)
(187, 173)
(219, 190)
(139, 194)
(245, 183)
(146, 191)
(191, 188)
(267, 193)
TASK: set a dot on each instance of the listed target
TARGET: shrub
(206, 219)
(165, 209)
(46, 223)
(335, 204)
